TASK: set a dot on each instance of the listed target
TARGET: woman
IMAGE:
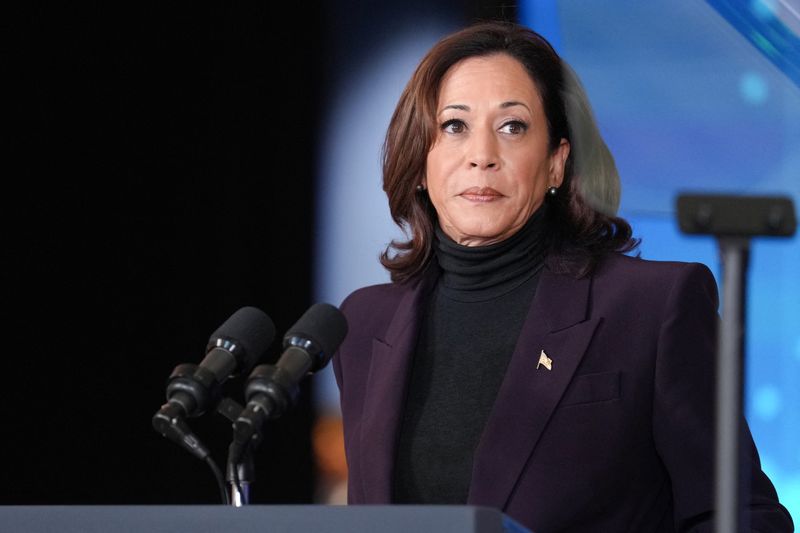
(518, 359)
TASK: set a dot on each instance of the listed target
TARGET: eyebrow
(504, 105)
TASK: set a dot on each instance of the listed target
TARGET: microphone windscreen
(251, 329)
(325, 326)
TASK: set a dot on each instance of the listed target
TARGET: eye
(514, 127)
(453, 125)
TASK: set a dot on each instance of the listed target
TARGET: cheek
(533, 173)
(437, 168)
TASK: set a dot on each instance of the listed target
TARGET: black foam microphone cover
(246, 334)
(324, 327)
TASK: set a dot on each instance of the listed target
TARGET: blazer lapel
(557, 325)
(386, 387)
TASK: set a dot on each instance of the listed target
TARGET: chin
(478, 231)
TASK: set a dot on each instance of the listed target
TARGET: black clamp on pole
(733, 221)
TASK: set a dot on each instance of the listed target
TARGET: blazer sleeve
(336, 362)
(683, 410)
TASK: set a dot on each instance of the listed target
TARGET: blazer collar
(557, 327)
(556, 323)
(387, 382)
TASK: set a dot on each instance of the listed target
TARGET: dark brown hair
(581, 224)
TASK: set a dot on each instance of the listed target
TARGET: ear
(558, 160)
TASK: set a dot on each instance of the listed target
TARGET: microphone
(272, 389)
(194, 389)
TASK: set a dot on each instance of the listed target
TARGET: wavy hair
(581, 221)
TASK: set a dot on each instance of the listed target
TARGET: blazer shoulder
(373, 305)
(638, 270)
(368, 296)
(655, 280)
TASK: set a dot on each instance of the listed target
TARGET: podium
(256, 518)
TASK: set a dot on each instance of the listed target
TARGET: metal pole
(238, 499)
(730, 364)
(244, 472)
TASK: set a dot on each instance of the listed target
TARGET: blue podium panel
(256, 518)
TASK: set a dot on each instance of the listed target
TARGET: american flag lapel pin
(544, 361)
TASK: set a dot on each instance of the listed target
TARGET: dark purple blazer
(616, 436)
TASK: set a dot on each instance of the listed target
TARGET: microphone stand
(240, 475)
(272, 389)
(240, 472)
(733, 220)
(734, 254)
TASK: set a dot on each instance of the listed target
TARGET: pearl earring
(552, 192)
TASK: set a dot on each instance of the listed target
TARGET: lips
(481, 194)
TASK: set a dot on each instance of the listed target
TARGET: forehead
(496, 77)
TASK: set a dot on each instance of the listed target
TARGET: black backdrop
(160, 175)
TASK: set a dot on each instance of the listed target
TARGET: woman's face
(490, 165)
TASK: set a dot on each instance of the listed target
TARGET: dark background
(160, 175)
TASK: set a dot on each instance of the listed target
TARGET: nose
(483, 151)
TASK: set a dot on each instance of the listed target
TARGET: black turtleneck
(471, 325)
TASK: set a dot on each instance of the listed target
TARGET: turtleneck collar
(479, 273)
